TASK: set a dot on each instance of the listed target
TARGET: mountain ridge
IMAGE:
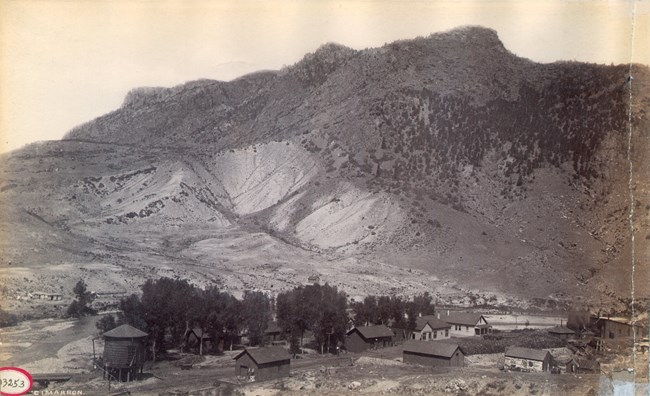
(447, 156)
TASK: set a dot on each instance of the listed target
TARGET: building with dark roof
(562, 332)
(124, 355)
(273, 331)
(615, 327)
(466, 324)
(433, 354)
(527, 359)
(261, 364)
(361, 338)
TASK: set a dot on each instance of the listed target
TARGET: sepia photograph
(326, 197)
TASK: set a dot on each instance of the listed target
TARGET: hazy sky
(65, 62)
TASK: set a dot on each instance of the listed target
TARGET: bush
(7, 319)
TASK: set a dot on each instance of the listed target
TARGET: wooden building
(615, 327)
(527, 359)
(430, 328)
(361, 338)
(466, 324)
(47, 296)
(124, 352)
(433, 354)
(197, 339)
(273, 332)
(587, 365)
(565, 364)
(261, 364)
(562, 332)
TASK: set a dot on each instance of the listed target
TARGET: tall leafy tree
(106, 323)
(256, 310)
(81, 304)
(423, 304)
(331, 319)
(384, 311)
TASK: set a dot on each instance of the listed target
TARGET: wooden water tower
(124, 348)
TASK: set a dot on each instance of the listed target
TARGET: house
(466, 324)
(46, 296)
(433, 354)
(527, 359)
(429, 327)
(197, 338)
(261, 364)
(562, 332)
(360, 338)
(615, 327)
(273, 332)
(124, 352)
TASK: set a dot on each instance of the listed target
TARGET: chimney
(447, 312)
(438, 315)
(420, 315)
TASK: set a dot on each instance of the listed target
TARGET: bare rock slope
(446, 156)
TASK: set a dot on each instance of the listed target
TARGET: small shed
(361, 338)
(562, 332)
(527, 359)
(587, 365)
(433, 354)
(260, 364)
(565, 364)
(124, 354)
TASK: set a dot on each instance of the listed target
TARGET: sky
(65, 62)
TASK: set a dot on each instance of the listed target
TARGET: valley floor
(63, 346)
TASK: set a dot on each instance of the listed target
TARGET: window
(446, 333)
(530, 364)
(435, 334)
(466, 328)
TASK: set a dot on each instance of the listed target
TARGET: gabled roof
(462, 318)
(266, 354)
(433, 348)
(561, 330)
(433, 321)
(125, 331)
(198, 332)
(372, 331)
(527, 353)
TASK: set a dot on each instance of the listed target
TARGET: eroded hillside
(443, 163)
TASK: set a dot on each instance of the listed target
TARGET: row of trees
(167, 308)
(395, 310)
